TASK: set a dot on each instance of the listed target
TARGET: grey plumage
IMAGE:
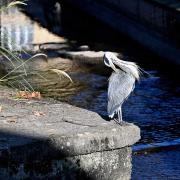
(121, 83)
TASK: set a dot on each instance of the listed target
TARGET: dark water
(154, 105)
(159, 165)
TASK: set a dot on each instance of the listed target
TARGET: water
(154, 105)
(158, 165)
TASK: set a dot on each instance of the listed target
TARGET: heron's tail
(142, 72)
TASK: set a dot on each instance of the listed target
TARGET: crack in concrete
(76, 123)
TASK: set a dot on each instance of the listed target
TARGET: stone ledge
(87, 57)
(70, 129)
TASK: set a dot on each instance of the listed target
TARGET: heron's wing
(120, 86)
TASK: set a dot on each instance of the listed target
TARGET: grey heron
(121, 83)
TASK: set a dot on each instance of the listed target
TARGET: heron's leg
(120, 115)
(119, 119)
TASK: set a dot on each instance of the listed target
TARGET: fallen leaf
(29, 95)
(33, 94)
(13, 120)
(38, 113)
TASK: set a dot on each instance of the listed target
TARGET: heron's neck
(131, 68)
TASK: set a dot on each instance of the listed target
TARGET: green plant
(18, 63)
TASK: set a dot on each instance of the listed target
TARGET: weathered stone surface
(39, 138)
(68, 60)
(71, 129)
(90, 57)
(106, 165)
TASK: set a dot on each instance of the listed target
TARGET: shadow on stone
(37, 159)
(26, 157)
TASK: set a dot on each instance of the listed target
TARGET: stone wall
(151, 24)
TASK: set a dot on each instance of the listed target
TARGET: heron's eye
(106, 61)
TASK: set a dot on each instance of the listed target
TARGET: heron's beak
(108, 62)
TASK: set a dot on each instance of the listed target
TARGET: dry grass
(14, 58)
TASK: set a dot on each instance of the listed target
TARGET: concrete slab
(70, 129)
(47, 139)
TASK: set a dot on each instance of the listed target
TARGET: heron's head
(116, 64)
(109, 59)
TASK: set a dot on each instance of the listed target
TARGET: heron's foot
(121, 123)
